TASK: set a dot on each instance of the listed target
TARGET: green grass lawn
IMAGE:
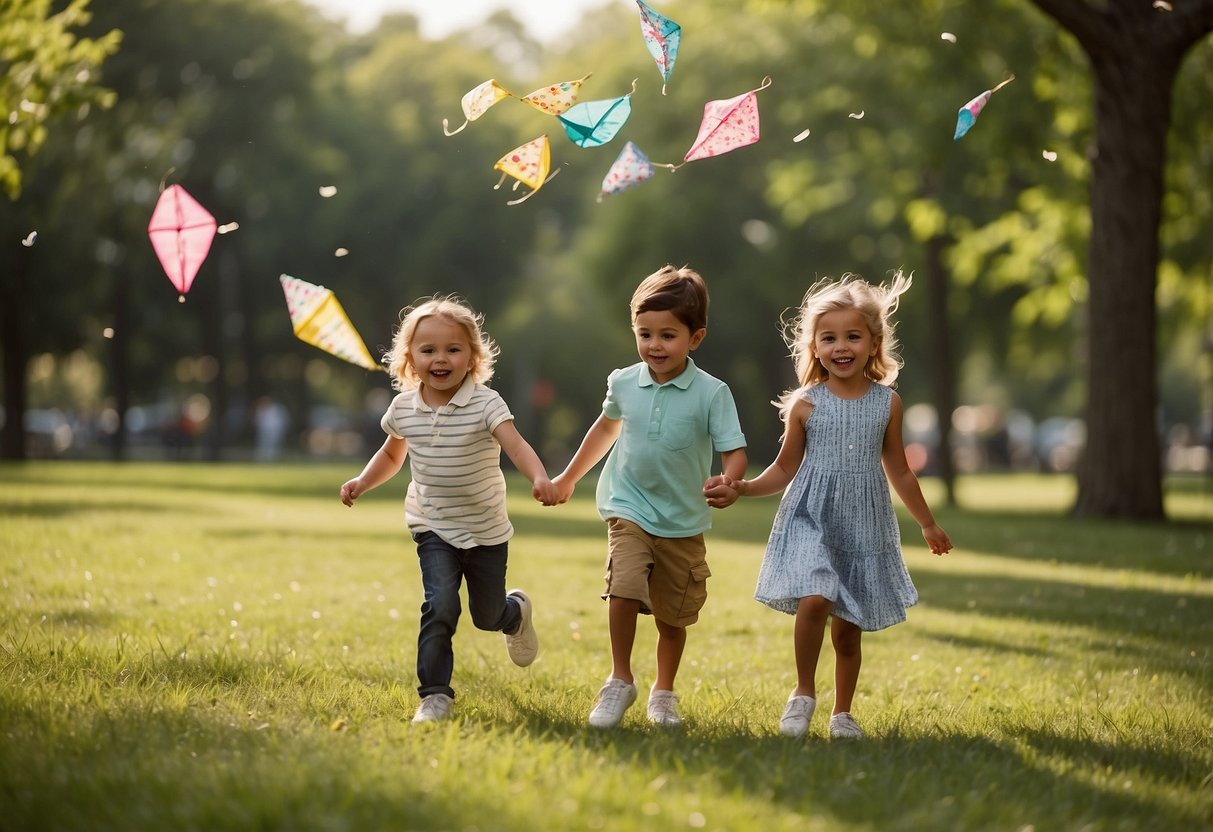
(193, 647)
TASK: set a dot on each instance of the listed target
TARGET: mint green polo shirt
(654, 474)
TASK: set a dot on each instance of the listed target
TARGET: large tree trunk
(1120, 473)
(1135, 49)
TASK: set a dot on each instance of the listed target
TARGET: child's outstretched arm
(527, 461)
(901, 476)
(382, 467)
(598, 440)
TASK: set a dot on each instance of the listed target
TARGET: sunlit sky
(545, 19)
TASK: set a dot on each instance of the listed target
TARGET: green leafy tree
(46, 72)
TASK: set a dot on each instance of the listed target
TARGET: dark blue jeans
(443, 568)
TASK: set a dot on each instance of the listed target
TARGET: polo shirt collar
(462, 396)
(682, 381)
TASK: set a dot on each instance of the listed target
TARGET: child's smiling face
(441, 354)
(663, 343)
(843, 343)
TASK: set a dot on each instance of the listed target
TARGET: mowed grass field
(194, 647)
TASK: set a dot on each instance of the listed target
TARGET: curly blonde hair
(455, 309)
(877, 305)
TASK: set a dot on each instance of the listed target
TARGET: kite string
(1003, 84)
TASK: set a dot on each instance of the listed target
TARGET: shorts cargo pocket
(696, 592)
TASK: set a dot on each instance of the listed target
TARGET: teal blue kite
(661, 38)
(594, 123)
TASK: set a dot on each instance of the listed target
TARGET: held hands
(545, 491)
(937, 539)
(564, 489)
(721, 491)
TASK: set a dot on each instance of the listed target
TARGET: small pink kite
(528, 164)
(630, 168)
(181, 232)
(968, 114)
(727, 125)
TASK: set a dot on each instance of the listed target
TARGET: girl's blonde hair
(877, 305)
(452, 307)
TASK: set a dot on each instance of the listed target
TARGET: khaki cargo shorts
(667, 575)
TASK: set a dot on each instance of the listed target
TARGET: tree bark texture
(1135, 51)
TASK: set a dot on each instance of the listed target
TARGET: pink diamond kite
(181, 232)
(727, 125)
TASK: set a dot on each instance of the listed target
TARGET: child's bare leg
(671, 640)
(808, 633)
(621, 623)
(848, 656)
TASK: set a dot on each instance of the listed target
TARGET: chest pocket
(678, 434)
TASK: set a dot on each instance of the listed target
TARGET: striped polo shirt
(457, 489)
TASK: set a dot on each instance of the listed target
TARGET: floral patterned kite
(661, 38)
(528, 164)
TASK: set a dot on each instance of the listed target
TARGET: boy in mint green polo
(663, 420)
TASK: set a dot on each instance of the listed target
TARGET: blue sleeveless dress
(835, 533)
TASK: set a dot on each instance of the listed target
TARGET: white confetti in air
(328, 190)
(29, 241)
(948, 36)
(801, 136)
(1049, 155)
(341, 252)
(856, 115)
(228, 227)
(1164, 5)
(108, 332)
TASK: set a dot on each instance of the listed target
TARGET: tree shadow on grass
(1176, 623)
(894, 781)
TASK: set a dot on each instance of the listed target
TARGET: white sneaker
(615, 697)
(663, 708)
(796, 716)
(434, 707)
(524, 643)
(844, 727)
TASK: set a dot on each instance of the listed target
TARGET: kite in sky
(968, 113)
(528, 164)
(630, 168)
(727, 125)
(594, 123)
(181, 232)
(553, 99)
(319, 320)
(661, 38)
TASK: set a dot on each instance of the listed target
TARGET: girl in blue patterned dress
(834, 552)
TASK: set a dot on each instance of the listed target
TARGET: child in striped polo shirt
(453, 429)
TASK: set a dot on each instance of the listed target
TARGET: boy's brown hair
(679, 291)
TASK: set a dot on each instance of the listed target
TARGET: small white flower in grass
(88, 576)
(235, 623)
(915, 657)
(277, 596)
(315, 613)
(294, 585)
(237, 606)
(697, 820)
(212, 582)
(393, 614)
